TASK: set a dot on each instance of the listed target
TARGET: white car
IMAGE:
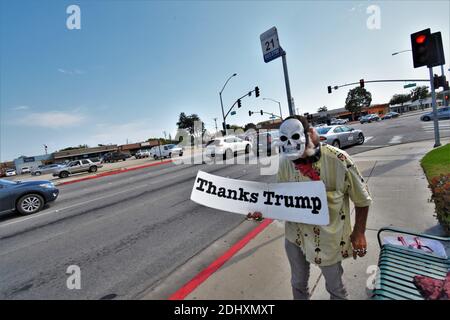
(166, 151)
(10, 172)
(25, 170)
(227, 147)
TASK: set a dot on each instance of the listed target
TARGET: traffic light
(361, 83)
(250, 113)
(439, 81)
(256, 92)
(262, 113)
(329, 89)
(239, 103)
(420, 45)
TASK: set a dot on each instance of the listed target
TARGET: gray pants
(300, 275)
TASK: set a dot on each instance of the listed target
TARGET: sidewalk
(401, 196)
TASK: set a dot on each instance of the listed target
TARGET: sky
(133, 66)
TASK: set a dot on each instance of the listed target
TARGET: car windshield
(323, 130)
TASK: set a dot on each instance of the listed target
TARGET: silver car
(340, 136)
(44, 169)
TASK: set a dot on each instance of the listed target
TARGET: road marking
(395, 139)
(367, 139)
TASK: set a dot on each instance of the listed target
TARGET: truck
(77, 166)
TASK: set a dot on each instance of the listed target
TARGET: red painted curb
(185, 290)
(110, 173)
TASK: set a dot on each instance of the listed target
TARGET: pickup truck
(76, 166)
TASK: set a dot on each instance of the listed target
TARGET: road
(129, 231)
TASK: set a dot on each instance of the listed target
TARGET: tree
(357, 98)
(193, 125)
(249, 126)
(419, 93)
(322, 109)
(400, 99)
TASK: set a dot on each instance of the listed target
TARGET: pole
(224, 124)
(281, 114)
(288, 88)
(437, 141)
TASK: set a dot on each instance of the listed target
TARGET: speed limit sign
(270, 45)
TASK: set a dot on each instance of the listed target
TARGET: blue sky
(135, 65)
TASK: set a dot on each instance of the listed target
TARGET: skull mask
(292, 139)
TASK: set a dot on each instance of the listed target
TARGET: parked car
(76, 166)
(335, 121)
(442, 114)
(26, 197)
(369, 118)
(44, 169)
(115, 156)
(165, 151)
(25, 170)
(266, 143)
(10, 172)
(227, 147)
(390, 115)
(142, 154)
(340, 136)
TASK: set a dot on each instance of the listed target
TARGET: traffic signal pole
(437, 141)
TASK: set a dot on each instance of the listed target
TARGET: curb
(113, 172)
(203, 275)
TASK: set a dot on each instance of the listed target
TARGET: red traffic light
(421, 38)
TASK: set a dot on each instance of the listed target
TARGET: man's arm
(358, 237)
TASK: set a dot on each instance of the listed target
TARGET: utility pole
(288, 87)
(221, 101)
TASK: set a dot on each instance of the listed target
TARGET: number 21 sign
(270, 45)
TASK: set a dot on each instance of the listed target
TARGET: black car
(26, 197)
(115, 156)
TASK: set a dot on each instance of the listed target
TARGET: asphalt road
(129, 231)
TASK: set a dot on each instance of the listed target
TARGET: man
(305, 159)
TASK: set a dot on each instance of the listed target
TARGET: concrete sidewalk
(401, 196)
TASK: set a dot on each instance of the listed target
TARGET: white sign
(303, 202)
(270, 45)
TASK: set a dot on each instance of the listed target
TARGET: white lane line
(367, 139)
(71, 206)
(395, 139)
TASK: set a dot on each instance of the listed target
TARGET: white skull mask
(292, 139)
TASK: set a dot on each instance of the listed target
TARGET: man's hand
(359, 244)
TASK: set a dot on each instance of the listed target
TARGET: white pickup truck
(166, 151)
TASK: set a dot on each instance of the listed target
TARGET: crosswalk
(443, 126)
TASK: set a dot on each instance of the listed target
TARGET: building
(31, 162)
(83, 153)
(415, 105)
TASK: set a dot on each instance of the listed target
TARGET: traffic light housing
(440, 81)
(329, 89)
(239, 103)
(262, 112)
(250, 113)
(420, 45)
(256, 92)
(361, 83)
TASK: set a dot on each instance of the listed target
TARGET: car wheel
(29, 204)
(360, 139)
(93, 169)
(37, 173)
(426, 118)
(63, 174)
(155, 157)
(170, 155)
(336, 144)
(247, 149)
(181, 154)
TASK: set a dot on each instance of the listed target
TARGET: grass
(437, 162)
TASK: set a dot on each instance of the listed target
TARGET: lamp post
(221, 102)
(395, 53)
(279, 105)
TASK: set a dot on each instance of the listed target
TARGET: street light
(279, 105)
(395, 53)
(221, 102)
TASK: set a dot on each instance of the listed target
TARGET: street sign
(270, 45)
(233, 113)
(409, 85)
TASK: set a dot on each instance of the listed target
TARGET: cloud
(71, 72)
(19, 108)
(52, 119)
(135, 131)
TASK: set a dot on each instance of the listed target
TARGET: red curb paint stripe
(181, 293)
(110, 173)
